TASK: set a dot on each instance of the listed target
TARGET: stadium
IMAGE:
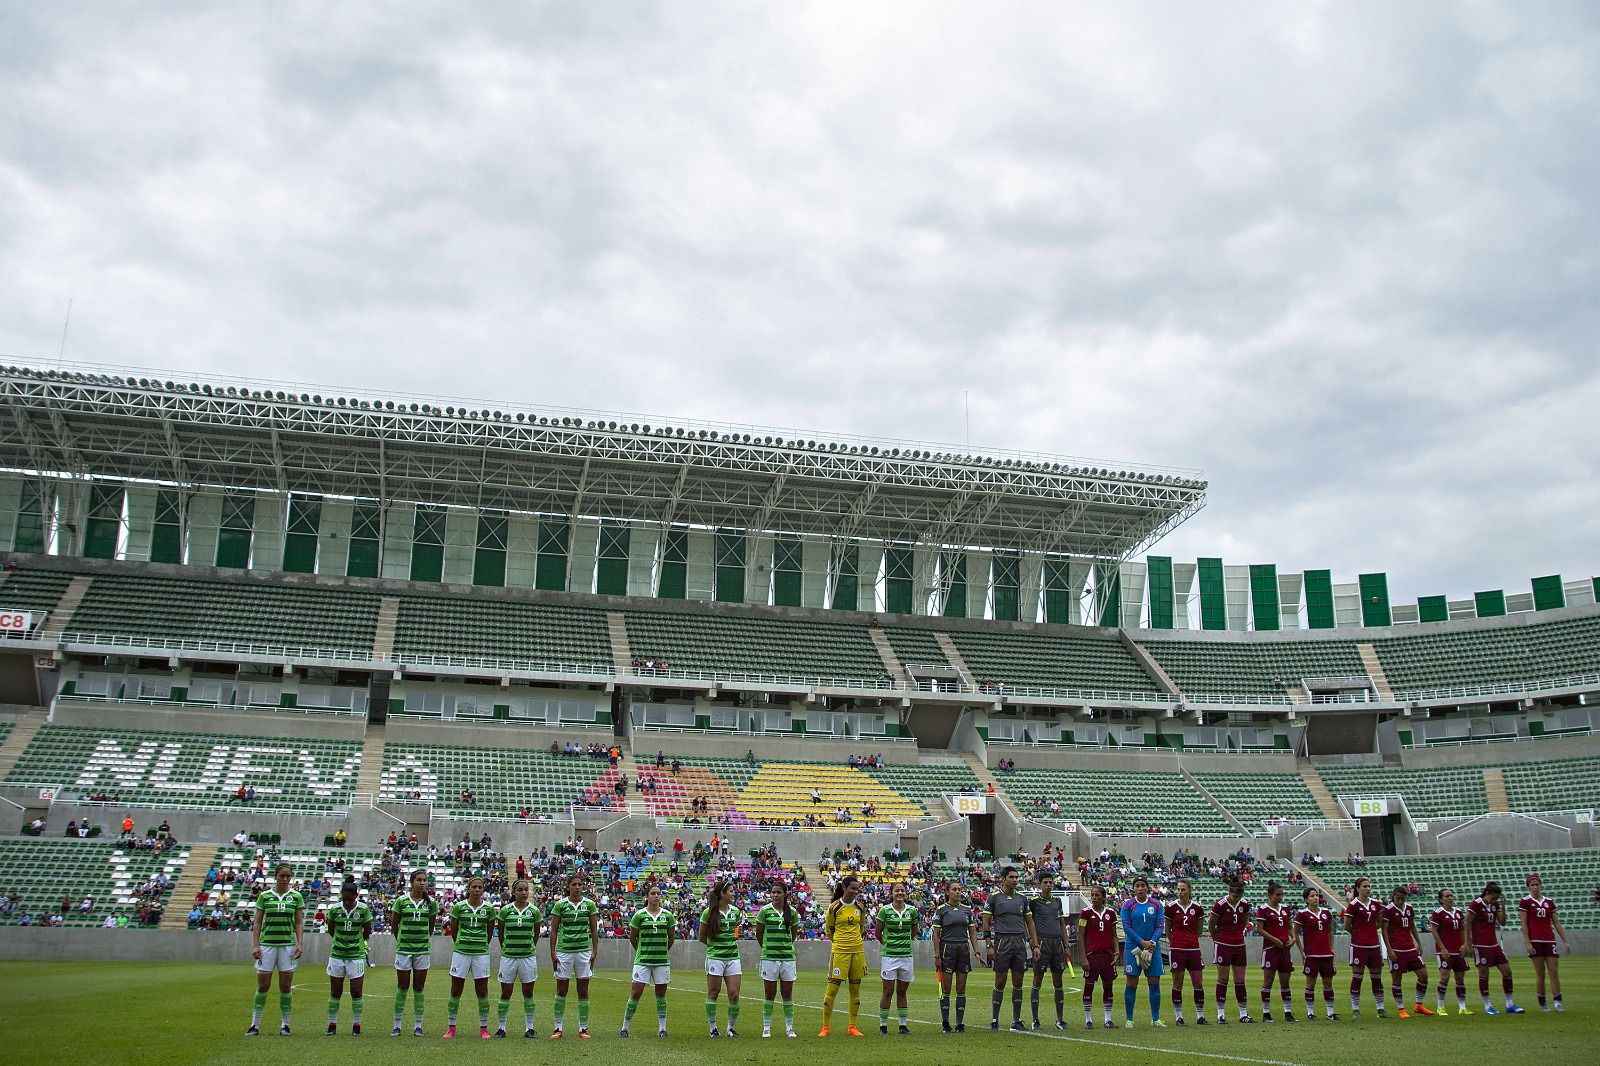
(363, 634)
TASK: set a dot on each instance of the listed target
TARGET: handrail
(775, 734)
(219, 647)
(90, 698)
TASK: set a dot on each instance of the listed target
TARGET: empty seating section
(1079, 664)
(159, 608)
(33, 590)
(503, 780)
(535, 633)
(927, 784)
(1432, 793)
(1119, 800)
(1569, 878)
(1553, 785)
(782, 790)
(5, 731)
(747, 644)
(1254, 798)
(1252, 668)
(43, 871)
(1489, 655)
(183, 770)
(916, 647)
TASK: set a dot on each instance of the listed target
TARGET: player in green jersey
(518, 923)
(469, 925)
(411, 919)
(275, 945)
(350, 923)
(719, 932)
(777, 925)
(574, 932)
(897, 928)
(652, 931)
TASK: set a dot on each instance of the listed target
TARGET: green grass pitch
(179, 1013)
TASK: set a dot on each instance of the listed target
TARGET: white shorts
(351, 968)
(519, 971)
(473, 966)
(420, 961)
(652, 975)
(891, 969)
(574, 964)
(779, 970)
(280, 959)
(723, 968)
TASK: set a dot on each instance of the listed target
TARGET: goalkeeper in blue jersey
(1144, 922)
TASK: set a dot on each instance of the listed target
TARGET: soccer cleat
(1464, 1010)
(1333, 1016)
(1088, 1025)
(946, 1026)
(1266, 1016)
(395, 1031)
(333, 1029)
(555, 1034)
(500, 1034)
(1421, 1010)
(583, 1034)
(1491, 1012)
(1245, 1019)
(731, 1031)
(254, 1030)
(1383, 1012)
(661, 1033)
(1559, 1008)
(1200, 1019)
(766, 1032)
(1110, 1024)
(994, 1026)
(852, 1031)
(1159, 1024)
(1403, 1014)
(824, 1031)
(1288, 1016)
(1179, 1021)
(355, 1028)
(1544, 1008)
(1222, 1019)
(529, 1034)
(283, 1030)
(1061, 1024)
(883, 1030)
(1036, 1025)
(1019, 1026)
(905, 1030)
(788, 1034)
(450, 1033)
(1128, 1024)
(1355, 1014)
(484, 1034)
(961, 1027)
(715, 1032)
(418, 1030)
(1512, 1008)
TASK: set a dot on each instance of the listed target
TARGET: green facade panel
(1375, 600)
(730, 565)
(550, 565)
(1264, 595)
(674, 581)
(104, 527)
(1548, 593)
(1109, 593)
(1491, 604)
(899, 567)
(1319, 599)
(29, 534)
(1433, 609)
(366, 526)
(1158, 579)
(611, 569)
(1007, 587)
(955, 600)
(1213, 595)
(427, 544)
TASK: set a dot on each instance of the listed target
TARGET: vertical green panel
(1596, 583)
(1548, 593)
(300, 553)
(1006, 586)
(29, 537)
(954, 564)
(1213, 598)
(1264, 594)
(611, 571)
(1057, 591)
(786, 569)
(1375, 600)
(1158, 577)
(427, 544)
(233, 548)
(1491, 604)
(366, 525)
(104, 527)
(730, 550)
(1319, 599)
(489, 560)
(1108, 590)
(674, 582)
(166, 538)
(363, 561)
(898, 569)
(550, 568)
(1433, 609)
(846, 576)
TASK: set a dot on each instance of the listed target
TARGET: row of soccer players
(1378, 931)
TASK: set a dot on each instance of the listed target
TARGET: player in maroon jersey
(1399, 931)
(1360, 917)
(1540, 924)
(1101, 927)
(1184, 916)
(1230, 917)
(1448, 924)
(1485, 916)
(1275, 923)
(1314, 928)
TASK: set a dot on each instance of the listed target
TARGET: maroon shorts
(1407, 961)
(1490, 955)
(1186, 960)
(1456, 963)
(1366, 958)
(1277, 960)
(1230, 955)
(1543, 949)
(1319, 966)
(1099, 965)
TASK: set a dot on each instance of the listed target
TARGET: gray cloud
(1343, 257)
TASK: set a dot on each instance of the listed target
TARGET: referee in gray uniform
(1050, 950)
(1010, 928)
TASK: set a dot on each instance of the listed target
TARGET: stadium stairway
(176, 916)
(1374, 665)
(20, 735)
(1319, 790)
(65, 607)
(880, 640)
(621, 653)
(1330, 899)
(1162, 679)
(1494, 787)
(370, 776)
(953, 654)
(383, 630)
(1209, 798)
(986, 777)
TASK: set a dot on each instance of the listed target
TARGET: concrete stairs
(1195, 784)
(189, 882)
(1330, 899)
(56, 624)
(1380, 681)
(986, 777)
(1319, 791)
(1164, 682)
(18, 738)
(1494, 786)
(621, 653)
(891, 663)
(953, 655)
(383, 633)
(371, 759)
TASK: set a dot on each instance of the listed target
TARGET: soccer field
(178, 1013)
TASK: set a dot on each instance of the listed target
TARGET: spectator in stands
(816, 797)
(750, 757)
(661, 758)
(36, 827)
(72, 829)
(239, 794)
(83, 829)
(340, 837)
(127, 825)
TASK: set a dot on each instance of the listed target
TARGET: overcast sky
(1345, 258)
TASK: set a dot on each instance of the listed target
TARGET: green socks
(504, 1009)
(711, 1012)
(527, 1012)
(560, 1009)
(883, 1015)
(333, 1010)
(788, 1014)
(903, 1013)
(285, 1005)
(258, 1008)
(766, 1012)
(356, 1003)
(583, 1012)
(733, 1014)
(452, 1008)
(661, 1011)
(627, 1011)
(416, 1005)
(483, 1012)
(399, 1005)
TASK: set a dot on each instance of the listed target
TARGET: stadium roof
(237, 433)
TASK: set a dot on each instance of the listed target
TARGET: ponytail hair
(714, 912)
(788, 910)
